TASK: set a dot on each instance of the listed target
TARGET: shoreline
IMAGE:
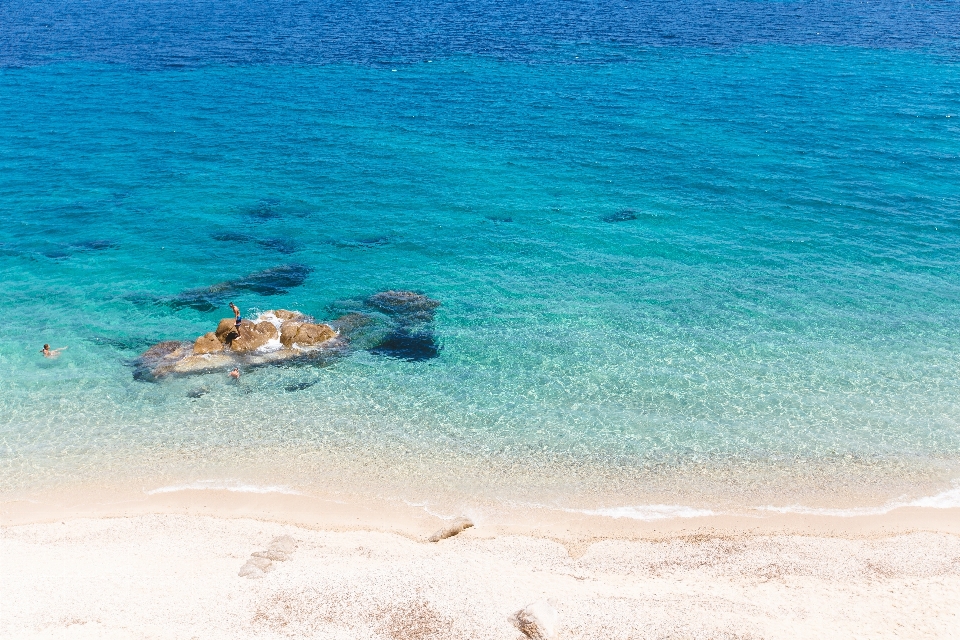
(340, 512)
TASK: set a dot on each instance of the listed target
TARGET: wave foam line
(949, 499)
(224, 486)
(647, 512)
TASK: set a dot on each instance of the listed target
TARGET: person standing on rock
(236, 312)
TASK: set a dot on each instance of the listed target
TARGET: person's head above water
(51, 353)
(235, 373)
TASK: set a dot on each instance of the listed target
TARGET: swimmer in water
(235, 374)
(236, 313)
(50, 353)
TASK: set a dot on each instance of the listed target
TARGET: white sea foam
(949, 499)
(218, 485)
(647, 512)
(270, 346)
(269, 317)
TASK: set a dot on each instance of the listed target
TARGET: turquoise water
(670, 256)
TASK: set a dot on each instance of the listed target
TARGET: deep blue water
(658, 231)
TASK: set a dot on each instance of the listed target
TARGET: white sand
(175, 576)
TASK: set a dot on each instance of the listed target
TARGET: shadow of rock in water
(412, 347)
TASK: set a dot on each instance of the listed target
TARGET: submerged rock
(280, 245)
(409, 306)
(160, 357)
(269, 282)
(624, 215)
(409, 346)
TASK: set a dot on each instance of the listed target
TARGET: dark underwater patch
(199, 392)
(144, 365)
(230, 236)
(122, 344)
(299, 386)
(264, 210)
(280, 245)
(499, 218)
(624, 215)
(94, 245)
(410, 346)
(371, 242)
(408, 307)
(68, 250)
(269, 282)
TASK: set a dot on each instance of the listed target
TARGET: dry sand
(167, 567)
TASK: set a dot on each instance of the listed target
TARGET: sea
(689, 256)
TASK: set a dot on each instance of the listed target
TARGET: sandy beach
(168, 565)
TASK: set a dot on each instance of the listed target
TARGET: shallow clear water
(736, 251)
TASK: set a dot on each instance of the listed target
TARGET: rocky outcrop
(207, 343)
(538, 621)
(457, 526)
(257, 343)
(305, 334)
(395, 324)
(289, 316)
(251, 336)
(224, 330)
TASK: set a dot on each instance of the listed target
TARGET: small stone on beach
(538, 621)
(455, 527)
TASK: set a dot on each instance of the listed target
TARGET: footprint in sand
(261, 562)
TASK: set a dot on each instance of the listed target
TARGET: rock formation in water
(253, 344)
(412, 337)
(395, 324)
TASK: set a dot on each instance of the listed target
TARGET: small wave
(425, 506)
(224, 486)
(949, 499)
(647, 512)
